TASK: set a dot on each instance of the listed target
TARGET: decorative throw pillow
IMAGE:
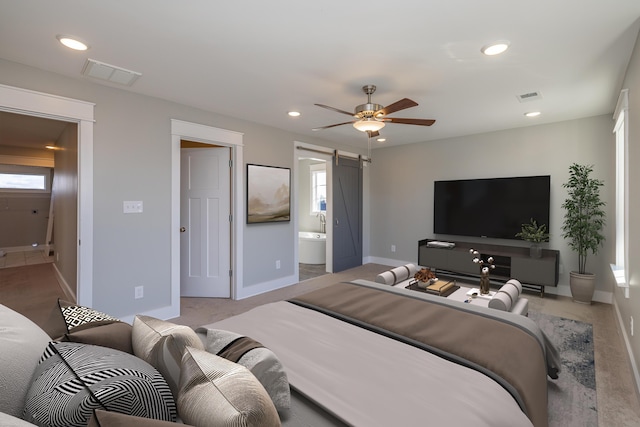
(73, 379)
(261, 361)
(102, 418)
(217, 392)
(76, 323)
(162, 344)
(116, 335)
(22, 343)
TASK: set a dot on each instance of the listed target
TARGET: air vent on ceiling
(531, 96)
(110, 73)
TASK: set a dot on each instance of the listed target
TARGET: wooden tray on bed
(414, 287)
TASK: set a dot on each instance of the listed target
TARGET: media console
(510, 261)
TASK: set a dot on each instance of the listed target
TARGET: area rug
(572, 397)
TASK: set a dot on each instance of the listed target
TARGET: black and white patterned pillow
(73, 379)
(77, 315)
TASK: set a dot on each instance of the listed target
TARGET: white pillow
(22, 342)
(161, 344)
(217, 392)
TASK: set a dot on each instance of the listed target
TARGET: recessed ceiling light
(495, 48)
(72, 42)
(532, 114)
(381, 139)
(294, 113)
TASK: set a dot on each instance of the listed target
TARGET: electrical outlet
(631, 325)
(138, 292)
(277, 264)
(393, 248)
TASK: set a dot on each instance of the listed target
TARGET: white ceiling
(257, 59)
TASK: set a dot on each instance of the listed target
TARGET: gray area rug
(572, 397)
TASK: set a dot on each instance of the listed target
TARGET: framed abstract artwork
(268, 194)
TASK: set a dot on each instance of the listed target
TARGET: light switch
(132, 207)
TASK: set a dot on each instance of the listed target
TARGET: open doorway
(38, 104)
(39, 181)
(312, 217)
(181, 130)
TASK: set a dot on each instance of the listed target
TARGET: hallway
(18, 259)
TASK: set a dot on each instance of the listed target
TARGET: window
(621, 131)
(24, 179)
(318, 188)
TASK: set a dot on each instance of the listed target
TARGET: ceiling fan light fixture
(495, 48)
(368, 124)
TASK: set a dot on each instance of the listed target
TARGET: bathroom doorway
(313, 189)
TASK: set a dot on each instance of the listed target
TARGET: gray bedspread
(367, 379)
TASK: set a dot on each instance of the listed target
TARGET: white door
(205, 222)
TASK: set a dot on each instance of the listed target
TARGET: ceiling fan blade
(397, 106)
(335, 109)
(419, 122)
(332, 126)
(373, 133)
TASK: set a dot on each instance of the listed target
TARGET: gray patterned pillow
(74, 379)
(262, 362)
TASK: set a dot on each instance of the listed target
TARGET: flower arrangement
(485, 268)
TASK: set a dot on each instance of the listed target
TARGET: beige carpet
(31, 290)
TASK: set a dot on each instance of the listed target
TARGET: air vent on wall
(530, 96)
(110, 73)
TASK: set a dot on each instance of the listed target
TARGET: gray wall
(631, 306)
(402, 184)
(132, 161)
(65, 206)
(19, 226)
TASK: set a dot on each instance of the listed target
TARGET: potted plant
(583, 222)
(535, 234)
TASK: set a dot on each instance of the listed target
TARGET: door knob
(182, 229)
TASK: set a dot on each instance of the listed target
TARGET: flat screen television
(494, 207)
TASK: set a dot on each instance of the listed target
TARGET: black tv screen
(495, 207)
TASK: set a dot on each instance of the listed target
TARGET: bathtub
(312, 247)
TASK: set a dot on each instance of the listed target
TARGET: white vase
(582, 286)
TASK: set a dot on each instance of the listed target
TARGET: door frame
(40, 104)
(206, 135)
(222, 156)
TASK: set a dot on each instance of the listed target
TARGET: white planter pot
(582, 286)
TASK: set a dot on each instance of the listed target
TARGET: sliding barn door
(347, 214)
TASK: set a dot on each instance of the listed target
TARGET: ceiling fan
(370, 118)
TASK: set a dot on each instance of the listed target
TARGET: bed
(364, 354)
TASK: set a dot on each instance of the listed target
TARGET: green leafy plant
(584, 216)
(532, 232)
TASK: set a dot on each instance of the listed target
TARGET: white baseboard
(261, 288)
(163, 313)
(632, 359)
(70, 293)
